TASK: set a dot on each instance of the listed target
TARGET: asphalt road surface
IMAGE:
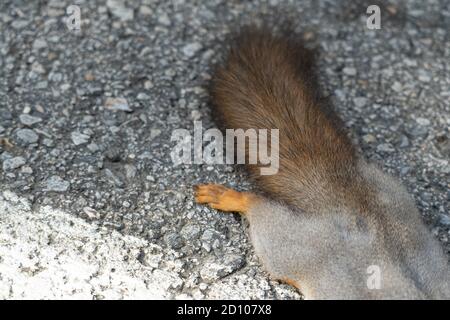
(91, 204)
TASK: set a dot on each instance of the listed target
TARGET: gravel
(13, 163)
(385, 147)
(119, 10)
(79, 138)
(360, 102)
(212, 271)
(56, 184)
(29, 120)
(191, 49)
(27, 136)
(86, 119)
(118, 104)
(444, 220)
(349, 71)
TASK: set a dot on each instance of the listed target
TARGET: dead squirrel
(331, 215)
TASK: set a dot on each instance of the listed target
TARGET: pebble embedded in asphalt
(56, 184)
(13, 163)
(27, 136)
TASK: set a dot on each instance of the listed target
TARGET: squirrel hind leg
(224, 199)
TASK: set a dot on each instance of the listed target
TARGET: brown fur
(269, 82)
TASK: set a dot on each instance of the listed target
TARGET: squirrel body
(327, 218)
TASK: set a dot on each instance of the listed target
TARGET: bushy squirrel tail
(269, 82)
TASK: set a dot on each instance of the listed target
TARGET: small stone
(38, 68)
(444, 220)
(210, 235)
(418, 131)
(51, 12)
(173, 241)
(93, 147)
(130, 171)
(48, 142)
(234, 261)
(13, 163)
(88, 76)
(26, 110)
(404, 170)
(65, 87)
(198, 295)
(142, 96)
(26, 170)
(360, 101)
(349, 71)
(164, 19)
(91, 213)
(114, 129)
(397, 86)
(41, 85)
(206, 246)
(151, 259)
(392, 9)
(57, 184)
(368, 138)
(191, 49)
(39, 44)
(28, 120)
(404, 141)
(6, 115)
(113, 178)
(94, 89)
(154, 133)
(190, 231)
(307, 36)
(385, 147)
(148, 84)
(446, 167)
(145, 11)
(117, 104)
(27, 136)
(424, 77)
(79, 138)
(5, 155)
(19, 24)
(213, 271)
(126, 204)
(410, 62)
(118, 9)
(423, 122)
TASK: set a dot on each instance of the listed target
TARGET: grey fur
(328, 252)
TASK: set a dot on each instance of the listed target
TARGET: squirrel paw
(222, 198)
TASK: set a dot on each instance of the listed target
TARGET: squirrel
(328, 221)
